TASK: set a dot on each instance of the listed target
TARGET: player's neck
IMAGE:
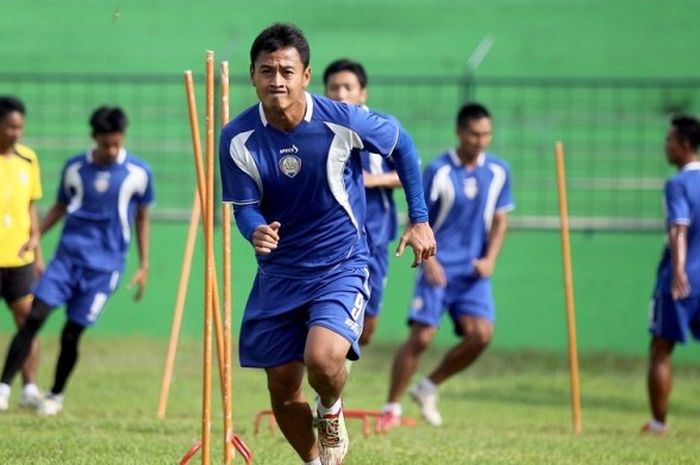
(691, 158)
(7, 149)
(468, 159)
(286, 119)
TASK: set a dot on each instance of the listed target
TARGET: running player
(291, 166)
(346, 81)
(675, 309)
(103, 193)
(20, 256)
(468, 195)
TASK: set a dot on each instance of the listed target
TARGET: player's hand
(266, 237)
(139, 281)
(680, 287)
(28, 246)
(483, 267)
(420, 238)
(369, 179)
(434, 272)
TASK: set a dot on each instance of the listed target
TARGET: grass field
(511, 408)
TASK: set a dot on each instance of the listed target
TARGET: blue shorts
(464, 295)
(378, 268)
(281, 310)
(84, 291)
(672, 319)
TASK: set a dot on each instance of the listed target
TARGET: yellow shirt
(20, 184)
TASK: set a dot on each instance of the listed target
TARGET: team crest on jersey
(290, 165)
(102, 181)
(471, 188)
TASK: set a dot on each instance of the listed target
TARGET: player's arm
(389, 180)
(418, 234)
(678, 244)
(379, 135)
(143, 242)
(32, 243)
(677, 220)
(252, 225)
(485, 265)
(57, 211)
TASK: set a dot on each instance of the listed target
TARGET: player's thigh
(57, 284)
(472, 308)
(16, 287)
(89, 301)
(274, 327)
(428, 303)
(339, 307)
(285, 382)
(670, 318)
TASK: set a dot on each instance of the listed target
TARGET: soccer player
(103, 193)
(20, 257)
(346, 81)
(675, 307)
(291, 166)
(468, 195)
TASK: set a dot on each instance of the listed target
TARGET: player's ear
(363, 95)
(307, 76)
(252, 72)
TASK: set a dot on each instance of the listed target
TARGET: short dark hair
(279, 36)
(688, 130)
(9, 104)
(471, 111)
(345, 64)
(107, 120)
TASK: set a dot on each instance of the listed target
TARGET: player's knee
(324, 367)
(421, 337)
(282, 391)
(480, 336)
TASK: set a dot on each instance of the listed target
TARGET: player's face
(475, 136)
(675, 148)
(11, 129)
(280, 78)
(107, 147)
(344, 86)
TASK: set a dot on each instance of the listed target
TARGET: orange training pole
(179, 305)
(226, 233)
(568, 288)
(208, 258)
(199, 170)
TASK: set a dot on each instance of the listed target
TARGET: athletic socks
(427, 386)
(394, 408)
(316, 461)
(332, 410)
(30, 389)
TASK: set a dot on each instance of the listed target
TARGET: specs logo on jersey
(471, 188)
(293, 150)
(23, 178)
(290, 165)
(102, 181)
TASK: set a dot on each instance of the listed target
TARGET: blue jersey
(309, 179)
(102, 201)
(461, 204)
(381, 221)
(682, 205)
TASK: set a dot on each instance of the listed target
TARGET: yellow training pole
(179, 305)
(208, 258)
(568, 288)
(226, 232)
